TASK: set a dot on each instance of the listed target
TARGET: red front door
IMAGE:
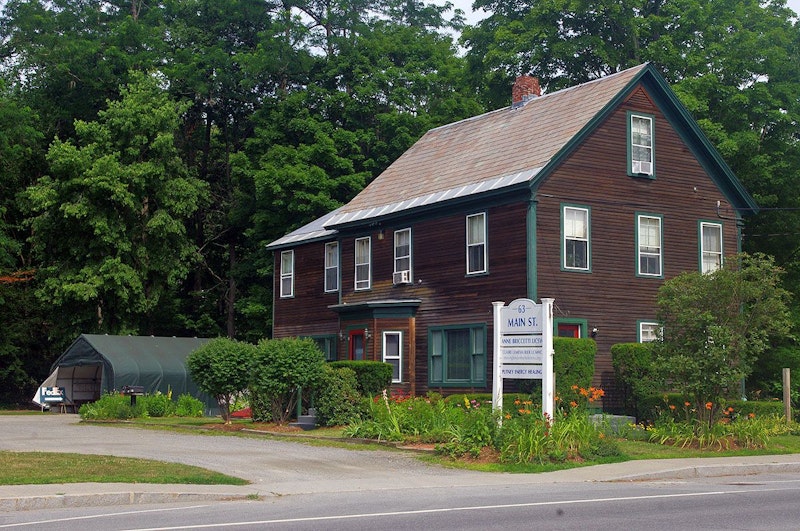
(357, 345)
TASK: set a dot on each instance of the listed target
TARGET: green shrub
(372, 376)
(282, 368)
(222, 368)
(112, 406)
(635, 372)
(766, 380)
(158, 404)
(189, 406)
(759, 408)
(336, 400)
(573, 364)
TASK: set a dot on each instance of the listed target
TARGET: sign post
(523, 348)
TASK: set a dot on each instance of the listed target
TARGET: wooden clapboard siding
(612, 298)
(307, 312)
(593, 174)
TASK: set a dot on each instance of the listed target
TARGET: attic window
(641, 161)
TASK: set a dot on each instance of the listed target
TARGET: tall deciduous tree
(109, 221)
(715, 326)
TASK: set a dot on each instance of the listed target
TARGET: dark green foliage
(635, 371)
(716, 325)
(372, 376)
(759, 408)
(260, 406)
(573, 363)
(335, 398)
(282, 367)
(222, 368)
(767, 378)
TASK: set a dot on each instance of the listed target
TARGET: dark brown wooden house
(591, 195)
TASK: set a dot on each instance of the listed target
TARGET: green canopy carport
(94, 364)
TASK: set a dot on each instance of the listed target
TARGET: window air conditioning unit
(402, 277)
(642, 167)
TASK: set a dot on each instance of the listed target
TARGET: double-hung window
(457, 355)
(710, 247)
(575, 242)
(331, 266)
(649, 249)
(402, 256)
(476, 243)
(363, 263)
(393, 354)
(640, 145)
(287, 274)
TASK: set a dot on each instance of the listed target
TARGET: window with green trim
(648, 331)
(287, 274)
(363, 263)
(331, 267)
(457, 355)
(476, 243)
(640, 145)
(327, 344)
(575, 254)
(393, 354)
(649, 248)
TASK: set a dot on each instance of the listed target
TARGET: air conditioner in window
(642, 167)
(402, 277)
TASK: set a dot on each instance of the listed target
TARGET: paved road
(277, 468)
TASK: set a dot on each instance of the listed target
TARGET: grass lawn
(38, 468)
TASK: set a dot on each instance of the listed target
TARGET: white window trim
(642, 324)
(365, 284)
(565, 238)
(399, 356)
(484, 243)
(287, 275)
(335, 247)
(408, 256)
(639, 218)
(703, 251)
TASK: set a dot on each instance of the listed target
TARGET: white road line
(104, 515)
(456, 509)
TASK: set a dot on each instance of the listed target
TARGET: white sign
(524, 372)
(521, 355)
(523, 348)
(521, 317)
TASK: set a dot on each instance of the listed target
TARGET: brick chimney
(525, 88)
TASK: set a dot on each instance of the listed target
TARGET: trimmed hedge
(573, 363)
(633, 369)
(372, 377)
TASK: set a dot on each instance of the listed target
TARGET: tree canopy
(149, 150)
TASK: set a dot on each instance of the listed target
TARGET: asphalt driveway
(276, 466)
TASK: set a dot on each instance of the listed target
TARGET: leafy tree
(222, 368)
(109, 222)
(715, 325)
(282, 368)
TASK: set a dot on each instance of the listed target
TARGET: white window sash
(476, 243)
